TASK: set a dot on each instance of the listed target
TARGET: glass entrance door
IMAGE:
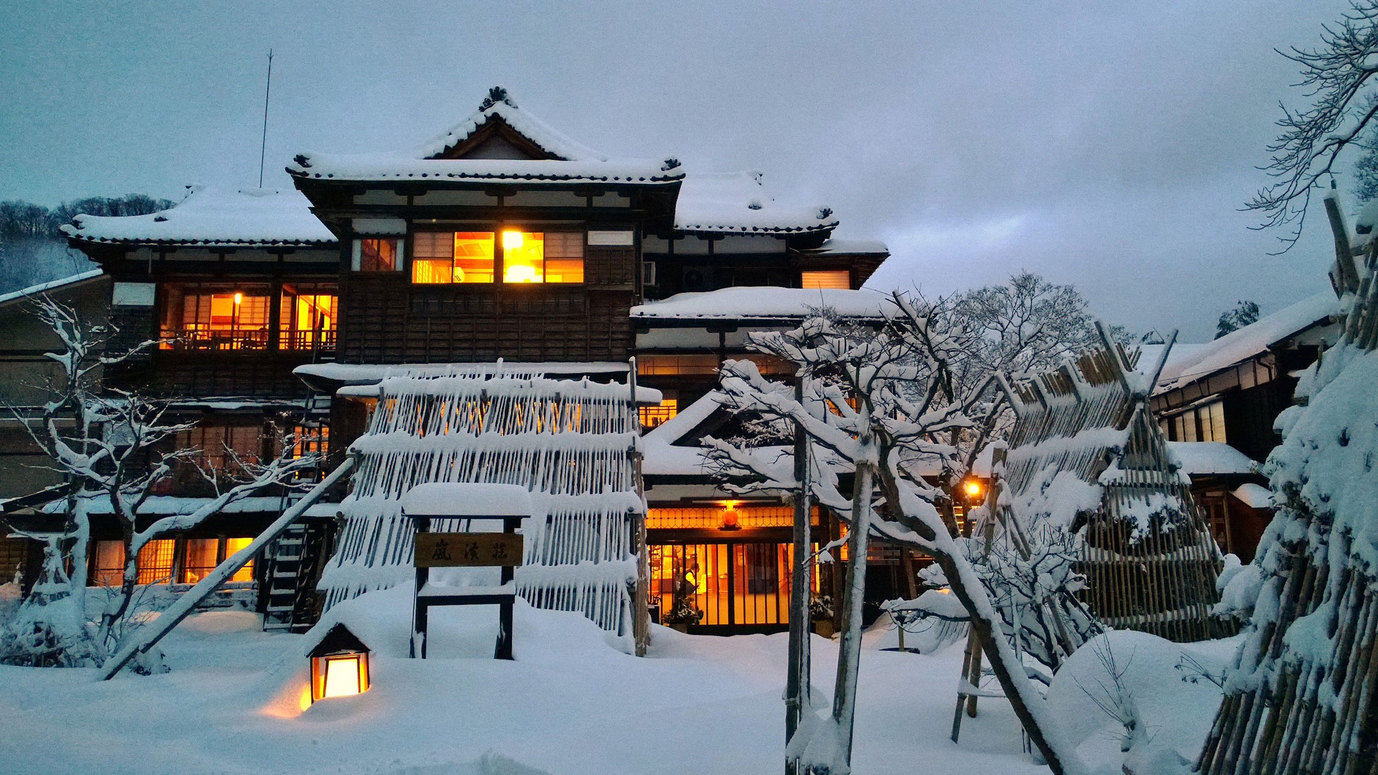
(722, 584)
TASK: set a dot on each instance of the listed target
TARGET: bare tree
(884, 404)
(1335, 78)
(111, 445)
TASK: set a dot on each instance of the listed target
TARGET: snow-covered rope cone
(568, 442)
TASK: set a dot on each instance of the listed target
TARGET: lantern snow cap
(339, 665)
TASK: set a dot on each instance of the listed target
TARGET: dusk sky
(1107, 145)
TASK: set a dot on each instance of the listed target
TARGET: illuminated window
(215, 318)
(827, 278)
(651, 416)
(472, 257)
(377, 255)
(155, 561)
(108, 566)
(233, 545)
(453, 257)
(564, 257)
(202, 555)
(1203, 423)
(677, 364)
(523, 257)
(307, 318)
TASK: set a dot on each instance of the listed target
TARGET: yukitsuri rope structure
(572, 444)
(1302, 695)
(1086, 456)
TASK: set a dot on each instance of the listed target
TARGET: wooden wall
(387, 319)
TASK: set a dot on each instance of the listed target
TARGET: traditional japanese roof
(1211, 458)
(212, 216)
(738, 202)
(848, 247)
(1251, 340)
(763, 303)
(51, 285)
(551, 157)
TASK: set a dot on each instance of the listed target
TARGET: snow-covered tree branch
(1336, 78)
(883, 405)
(113, 448)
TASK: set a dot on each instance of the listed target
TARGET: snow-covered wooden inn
(500, 239)
(1216, 404)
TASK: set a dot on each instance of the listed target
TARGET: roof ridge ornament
(495, 95)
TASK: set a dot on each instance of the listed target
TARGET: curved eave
(740, 229)
(188, 243)
(464, 177)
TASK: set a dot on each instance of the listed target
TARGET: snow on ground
(570, 703)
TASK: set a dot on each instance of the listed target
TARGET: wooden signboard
(468, 550)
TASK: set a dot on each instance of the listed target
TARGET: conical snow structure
(1086, 456)
(1302, 696)
(572, 444)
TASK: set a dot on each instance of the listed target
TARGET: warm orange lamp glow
(730, 518)
(511, 240)
(339, 665)
(238, 298)
(972, 488)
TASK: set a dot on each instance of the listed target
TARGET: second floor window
(511, 255)
(238, 317)
(307, 318)
(203, 317)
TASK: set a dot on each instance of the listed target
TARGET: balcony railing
(192, 338)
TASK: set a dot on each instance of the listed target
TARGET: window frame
(500, 255)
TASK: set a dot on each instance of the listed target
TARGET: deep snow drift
(570, 703)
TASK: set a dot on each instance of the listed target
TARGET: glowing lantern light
(238, 298)
(729, 516)
(339, 665)
(972, 488)
(520, 273)
(511, 240)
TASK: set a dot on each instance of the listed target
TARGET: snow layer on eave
(51, 285)
(396, 166)
(738, 202)
(848, 247)
(661, 453)
(369, 373)
(1255, 496)
(744, 303)
(214, 216)
(1204, 458)
(526, 124)
(1238, 346)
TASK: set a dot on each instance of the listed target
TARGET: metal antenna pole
(263, 147)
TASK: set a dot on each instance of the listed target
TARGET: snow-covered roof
(1238, 346)
(1204, 458)
(213, 216)
(571, 162)
(738, 202)
(500, 105)
(848, 247)
(751, 303)
(1255, 496)
(662, 455)
(51, 285)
